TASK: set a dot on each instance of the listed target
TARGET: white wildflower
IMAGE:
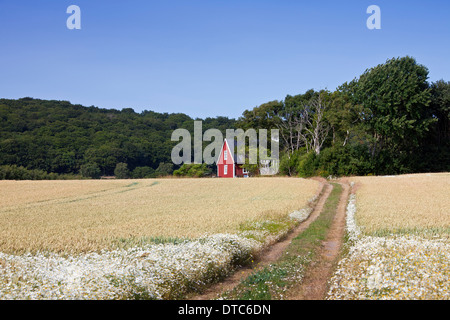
(153, 270)
(394, 267)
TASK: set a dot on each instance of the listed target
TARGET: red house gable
(225, 162)
(226, 166)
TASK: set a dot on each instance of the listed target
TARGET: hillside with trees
(40, 137)
(389, 120)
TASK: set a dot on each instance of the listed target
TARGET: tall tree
(440, 109)
(395, 97)
(316, 126)
(344, 117)
(264, 116)
(293, 120)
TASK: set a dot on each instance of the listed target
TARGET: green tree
(143, 172)
(440, 109)
(344, 117)
(264, 116)
(121, 171)
(193, 170)
(434, 151)
(90, 170)
(395, 97)
(164, 169)
(292, 121)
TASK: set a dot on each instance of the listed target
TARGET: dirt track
(272, 254)
(314, 284)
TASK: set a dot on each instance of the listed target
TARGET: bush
(289, 163)
(121, 171)
(14, 172)
(143, 172)
(193, 170)
(90, 170)
(336, 161)
(299, 163)
(307, 165)
(164, 169)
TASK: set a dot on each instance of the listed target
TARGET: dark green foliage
(390, 120)
(13, 172)
(143, 172)
(121, 171)
(395, 99)
(307, 165)
(335, 161)
(193, 170)
(290, 162)
(164, 169)
(265, 116)
(437, 140)
(90, 170)
(59, 137)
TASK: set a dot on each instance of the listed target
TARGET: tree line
(389, 120)
(47, 139)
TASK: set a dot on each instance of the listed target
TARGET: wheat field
(404, 203)
(398, 245)
(89, 215)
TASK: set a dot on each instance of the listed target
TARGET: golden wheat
(403, 252)
(88, 215)
(404, 203)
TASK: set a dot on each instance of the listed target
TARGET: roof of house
(237, 158)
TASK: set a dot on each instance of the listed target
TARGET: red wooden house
(227, 166)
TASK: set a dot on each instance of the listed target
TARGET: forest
(389, 120)
(56, 139)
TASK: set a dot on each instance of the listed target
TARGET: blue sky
(208, 58)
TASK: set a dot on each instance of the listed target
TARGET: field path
(270, 255)
(314, 284)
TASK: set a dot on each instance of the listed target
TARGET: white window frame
(225, 169)
(225, 155)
